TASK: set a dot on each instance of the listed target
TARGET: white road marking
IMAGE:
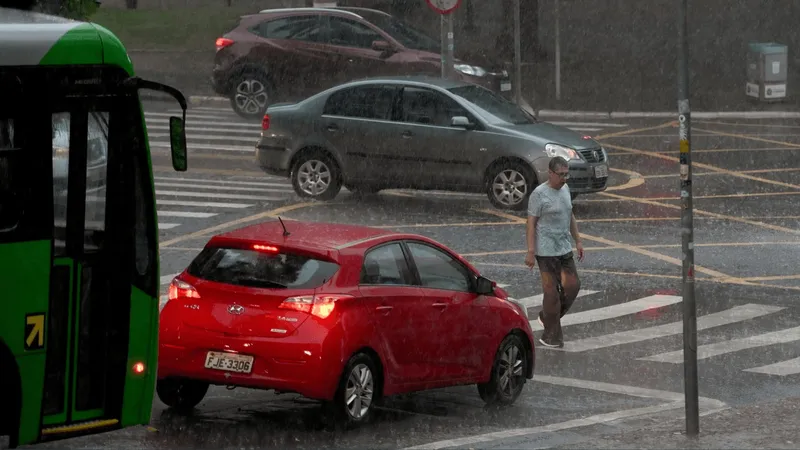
(614, 311)
(189, 115)
(729, 346)
(167, 226)
(208, 137)
(225, 188)
(783, 368)
(584, 129)
(201, 204)
(502, 285)
(212, 195)
(251, 126)
(211, 129)
(187, 214)
(231, 182)
(595, 124)
(727, 317)
(675, 402)
(537, 299)
(223, 148)
(166, 279)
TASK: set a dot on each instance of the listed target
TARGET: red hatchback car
(340, 313)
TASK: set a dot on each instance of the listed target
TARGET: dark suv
(286, 54)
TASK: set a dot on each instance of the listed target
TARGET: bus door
(90, 277)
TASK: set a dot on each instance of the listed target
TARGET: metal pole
(450, 44)
(691, 392)
(517, 54)
(558, 54)
(443, 36)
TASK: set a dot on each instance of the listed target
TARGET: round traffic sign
(444, 6)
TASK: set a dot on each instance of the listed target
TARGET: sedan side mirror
(485, 286)
(461, 122)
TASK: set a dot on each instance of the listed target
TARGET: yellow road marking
(707, 213)
(712, 244)
(502, 215)
(443, 225)
(677, 175)
(655, 275)
(255, 217)
(748, 195)
(774, 278)
(636, 179)
(635, 130)
(708, 122)
(705, 166)
(711, 150)
(752, 138)
(244, 173)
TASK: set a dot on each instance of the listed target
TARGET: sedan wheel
(509, 187)
(315, 175)
(508, 373)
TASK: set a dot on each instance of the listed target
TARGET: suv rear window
(261, 269)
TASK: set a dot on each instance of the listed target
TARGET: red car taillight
(317, 305)
(182, 289)
(223, 42)
(265, 122)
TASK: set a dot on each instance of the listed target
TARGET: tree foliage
(72, 9)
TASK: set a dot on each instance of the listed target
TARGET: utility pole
(517, 53)
(691, 392)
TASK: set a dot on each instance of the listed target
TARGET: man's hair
(556, 162)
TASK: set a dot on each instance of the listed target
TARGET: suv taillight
(265, 122)
(223, 42)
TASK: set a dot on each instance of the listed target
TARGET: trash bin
(766, 71)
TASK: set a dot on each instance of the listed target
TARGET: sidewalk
(774, 425)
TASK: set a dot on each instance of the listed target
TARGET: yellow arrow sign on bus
(34, 332)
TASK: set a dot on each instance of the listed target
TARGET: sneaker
(551, 344)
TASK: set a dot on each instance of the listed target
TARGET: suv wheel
(510, 185)
(251, 95)
(315, 175)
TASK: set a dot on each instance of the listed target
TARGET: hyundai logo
(235, 309)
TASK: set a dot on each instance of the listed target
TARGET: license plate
(229, 362)
(601, 171)
(505, 86)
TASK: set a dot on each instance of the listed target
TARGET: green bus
(79, 263)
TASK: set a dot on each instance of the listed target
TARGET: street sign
(444, 6)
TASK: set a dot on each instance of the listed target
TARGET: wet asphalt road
(622, 360)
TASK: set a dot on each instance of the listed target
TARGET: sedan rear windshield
(493, 107)
(261, 269)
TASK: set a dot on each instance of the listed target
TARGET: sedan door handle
(439, 305)
(407, 134)
(384, 309)
(333, 128)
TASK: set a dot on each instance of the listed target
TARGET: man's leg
(570, 282)
(550, 270)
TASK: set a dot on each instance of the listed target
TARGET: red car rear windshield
(261, 269)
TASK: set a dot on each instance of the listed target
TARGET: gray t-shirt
(553, 207)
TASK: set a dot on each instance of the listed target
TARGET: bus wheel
(181, 394)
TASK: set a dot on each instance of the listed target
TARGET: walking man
(550, 224)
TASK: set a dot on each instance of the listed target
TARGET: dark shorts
(555, 264)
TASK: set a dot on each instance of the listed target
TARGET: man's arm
(573, 229)
(530, 233)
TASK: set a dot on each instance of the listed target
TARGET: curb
(201, 100)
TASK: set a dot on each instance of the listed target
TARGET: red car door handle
(439, 305)
(384, 308)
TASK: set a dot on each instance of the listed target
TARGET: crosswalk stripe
(584, 129)
(729, 346)
(614, 311)
(167, 226)
(186, 214)
(202, 204)
(534, 300)
(255, 131)
(226, 148)
(211, 195)
(286, 187)
(727, 317)
(231, 182)
(189, 115)
(210, 137)
(783, 368)
(249, 126)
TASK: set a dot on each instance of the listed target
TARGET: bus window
(10, 201)
(96, 177)
(61, 133)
